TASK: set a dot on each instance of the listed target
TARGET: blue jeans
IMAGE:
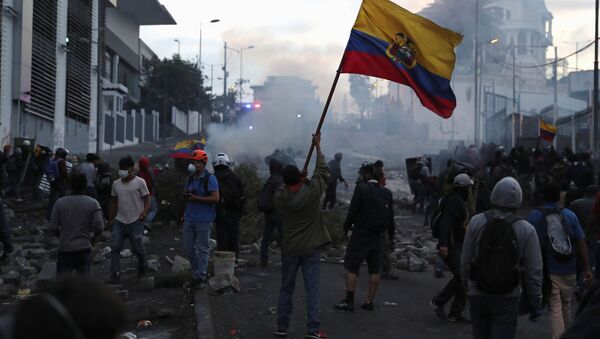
(78, 261)
(494, 317)
(120, 232)
(310, 264)
(153, 209)
(195, 244)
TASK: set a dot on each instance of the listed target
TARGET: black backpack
(264, 201)
(436, 217)
(495, 270)
(379, 204)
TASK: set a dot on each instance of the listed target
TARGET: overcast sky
(307, 37)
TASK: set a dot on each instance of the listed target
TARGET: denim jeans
(78, 261)
(153, 209)
(120, 232)
(493, 317)
(454, 288)
(272, 223)
(310, 265)
(195, 244)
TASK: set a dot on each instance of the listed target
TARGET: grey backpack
(558, 240)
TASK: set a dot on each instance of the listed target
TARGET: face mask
(123, 174)
(191, 168)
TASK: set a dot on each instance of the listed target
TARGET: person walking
(452, 225)
(230, 206)
(335, 170)
(58, 176)
(88, 168)
(147, 173)
(75, 219)
(201, 192)
(304, 233)
(562, 241)
(369, 217)
(388, 243)
(500, 257)
(130, 205)
(265, 204)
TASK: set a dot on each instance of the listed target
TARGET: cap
(462, 180)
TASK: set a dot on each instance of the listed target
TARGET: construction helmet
(221, 160)
(199, 155)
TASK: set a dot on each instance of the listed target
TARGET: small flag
(547, 131)
(389, 42)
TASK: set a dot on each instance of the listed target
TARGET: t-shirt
(129, 199)
(536, 218)
(89, 170)
(200, 212)
(76, 217)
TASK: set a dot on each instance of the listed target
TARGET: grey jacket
(507, 194)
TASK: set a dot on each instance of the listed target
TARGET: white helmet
(221, 159)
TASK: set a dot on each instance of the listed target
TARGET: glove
(535, 315)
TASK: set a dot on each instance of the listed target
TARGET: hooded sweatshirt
(507, 194)
(303, 227)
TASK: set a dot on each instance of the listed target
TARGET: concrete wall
(188, 123)
(123, 27)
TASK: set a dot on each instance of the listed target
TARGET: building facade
(52, 53)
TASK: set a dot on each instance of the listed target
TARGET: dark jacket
(335, 171)
(454, 219)
(231, 194)
(586, 324)
(303, 226)
(358, 212)
(274, 182)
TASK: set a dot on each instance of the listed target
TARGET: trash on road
(390, 303)
(144, 323)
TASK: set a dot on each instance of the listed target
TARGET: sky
(307, 37)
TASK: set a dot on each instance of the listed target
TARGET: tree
(459, 16)
(174, 82)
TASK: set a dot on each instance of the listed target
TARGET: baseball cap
(462, 180)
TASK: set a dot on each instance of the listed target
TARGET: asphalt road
(412, 318)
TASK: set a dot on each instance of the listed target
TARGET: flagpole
(323, 115)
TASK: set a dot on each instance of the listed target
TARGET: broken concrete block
(180, 264)
(11, 277)
(223, 281)
(47, 273)
(126, 253)
(154, 265)
(416, 264)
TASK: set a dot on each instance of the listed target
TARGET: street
(250, 311)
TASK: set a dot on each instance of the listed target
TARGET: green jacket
(303, 227)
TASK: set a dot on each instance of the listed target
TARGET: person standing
(494, 306)
(388, 244)
(103, 186)
(201, 192)
(5, 235)
(265, 204)
(304, 233)
(369, 217)
(75, 218)
(230, 206)
(454, 219)
(58, 176)
(560, 236)
(335, 170)
(88, 168)
(130, 205)
(147, 173)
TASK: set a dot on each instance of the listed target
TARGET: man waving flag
(389, 42)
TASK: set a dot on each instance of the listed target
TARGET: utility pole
(595, 100)
(224, 77)
(514, 92)
(555, 75)
(476, 75)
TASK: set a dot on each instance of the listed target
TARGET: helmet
(462, 180)
(199, 155)
(221, 160)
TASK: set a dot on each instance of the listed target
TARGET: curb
(204, 321)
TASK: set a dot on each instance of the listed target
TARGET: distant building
(49, 66)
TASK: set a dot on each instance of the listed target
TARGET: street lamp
(477, 84)
(241, 67)
(200, 43)
(178, 47)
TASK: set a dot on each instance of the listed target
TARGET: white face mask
(191, 168)
(123, 174)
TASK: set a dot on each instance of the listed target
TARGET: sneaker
(453, 318)
(343, 306)
(368, 306)
(114, 278)
(439, 310)
(316, 335)
(280, 333)
(389, 276)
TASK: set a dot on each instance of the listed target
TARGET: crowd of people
(518, 232)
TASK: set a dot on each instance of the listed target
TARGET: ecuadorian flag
(547, 131)
(392, 43)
